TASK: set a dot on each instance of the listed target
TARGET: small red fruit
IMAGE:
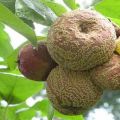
(35, 63)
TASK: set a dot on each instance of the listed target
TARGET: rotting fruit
(117, 29)
(35, 63)
(81, 39)
(71, 92)
(83, 45)
(107, 76)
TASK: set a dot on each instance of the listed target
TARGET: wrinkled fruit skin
(35, 64)
(107, 76)
(71, 92)
(81, 39)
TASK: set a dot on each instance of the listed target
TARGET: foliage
(14, 88)
(110, 8)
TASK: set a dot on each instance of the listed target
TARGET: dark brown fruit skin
(117, 30)
(71, 92)
(35, 64)
(107, 76)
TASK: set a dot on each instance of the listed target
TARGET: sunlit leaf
(23, 11)
(57, 8)
(10, 112)
(110, 8)
(117, 21)
(45, 105)
(10, 4)
(14, 88)
(13, 21)
(41, 11)
(50, 112)
(27, 114)
(71, 4)
(67, 117)
(5, 47)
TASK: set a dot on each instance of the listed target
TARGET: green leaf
(45, 105)
(5, 47)
(13, 21)
(94, 2)
(66, 117)
(10, 112)
(3, 63)
(41, 9)
(50, 112)
(71, 4)
(2, 26)
(28, 113)
(42, 106)
(41, 38)
(5, 114)
(23, 11)
(117, 21)
(12, 59)
(57, 8)
(28, 22)
(9, 4)
(15, 88)
(110, 8)
(42, 12)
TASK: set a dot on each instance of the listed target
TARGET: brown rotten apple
(72, 92)
(107, 76)
(36, 63)
(81, 39)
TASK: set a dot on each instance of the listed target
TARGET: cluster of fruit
(78, 61)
